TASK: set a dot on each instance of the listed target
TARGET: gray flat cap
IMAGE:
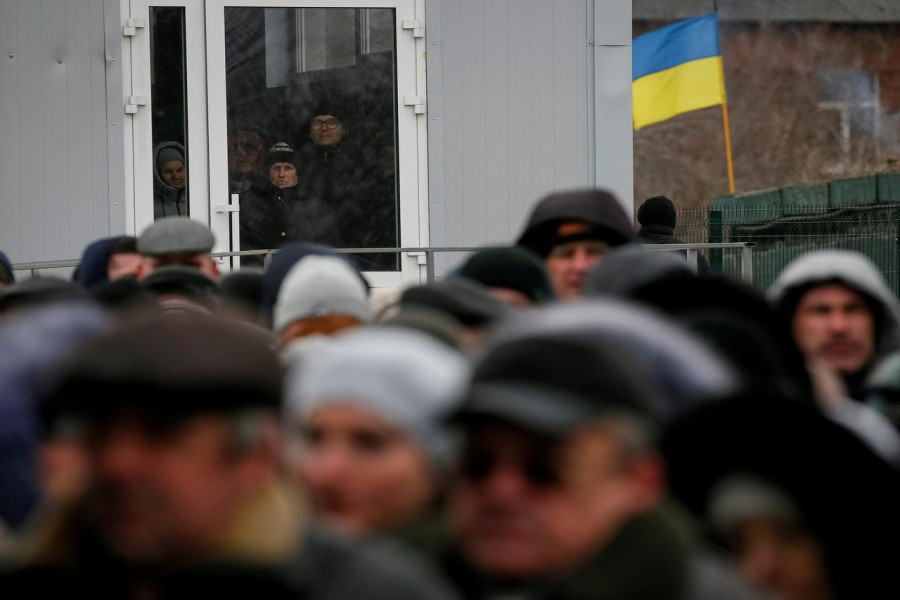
(175, 235)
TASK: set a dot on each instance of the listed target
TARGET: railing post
(715, 237)
(747, 263)
(429, 266)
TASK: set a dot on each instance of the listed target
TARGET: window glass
(169, 119)
(312, 132)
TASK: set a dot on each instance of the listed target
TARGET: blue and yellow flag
(677, 69)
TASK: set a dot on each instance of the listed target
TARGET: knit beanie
(657, 210)
(168, 154)
(281, 152)
(320, 285)
(405, 377)
(514, 268)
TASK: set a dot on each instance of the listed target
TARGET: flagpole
(728, 158)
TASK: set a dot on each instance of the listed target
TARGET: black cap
(467, 302)
(171, 366)
(552, 383)
(657, 210)
(512, 267)
(599, 210)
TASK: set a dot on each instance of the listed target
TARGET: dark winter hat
(176, 235)
(93, 270)
(564, 217)
(183, 282)
(512, 267)
(551, 383)
(168, 154)
(172, 366)
(465, 301)
(6, 271)
(281, 152)
(657, 210)
(38, 292)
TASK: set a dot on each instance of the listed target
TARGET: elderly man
(180, 418)
(177, 241)
(559, 489)
(572, 231)
(841, 313)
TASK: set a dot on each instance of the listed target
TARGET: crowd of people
(569, 417)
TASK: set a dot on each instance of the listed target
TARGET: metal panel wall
(510, 113)
(54, 159)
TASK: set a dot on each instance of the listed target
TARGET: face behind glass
(834, 323)
(512, 526)
(244, 150)
(161, 491)
(173, 173)
(329, 134)
(363, 474)
(283, 175)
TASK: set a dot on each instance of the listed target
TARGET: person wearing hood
(169, 181)
(7, 277)
(841, 313)
(657, 216)
(571, 231)
(106, 260)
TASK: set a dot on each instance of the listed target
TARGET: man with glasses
(559, 489)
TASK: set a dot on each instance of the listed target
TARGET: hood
(7, 275)
(158, 183)
(93, 268)
(842, 266)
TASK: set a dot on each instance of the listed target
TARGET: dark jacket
(663, 234)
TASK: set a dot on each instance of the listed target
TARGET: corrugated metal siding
(507, 113)
(829, 11)
(54, 164)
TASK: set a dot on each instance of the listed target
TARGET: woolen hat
(318, 286)
(281, 152)
(512, 267)
(176, 235)
(599, 211)
(168, 154)
(405, 377)
(657, 210)
(172, 366)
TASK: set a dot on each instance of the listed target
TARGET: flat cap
(176, 235)
(171, 366)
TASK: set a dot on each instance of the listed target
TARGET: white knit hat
(321, 285)
(405, 377)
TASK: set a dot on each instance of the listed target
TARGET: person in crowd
(371, 447)
(560, 488)
(572, 231)
(38, 291)
(345, 176)
(242, 293)
(107, 260)
(246, 146)
(180, 418)
(807, 513)
(320, 296)
(7, 276)
(657, 217)
(169, 181)
(283, 261)
(842, 316)
(512, 274)
(177, 288)
(177, 241)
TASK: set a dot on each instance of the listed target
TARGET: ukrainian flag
(677, 69)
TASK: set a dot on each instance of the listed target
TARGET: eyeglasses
(247, 148)
(319, 123)
(538, 466)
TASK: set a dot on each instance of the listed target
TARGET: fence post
(715, 237)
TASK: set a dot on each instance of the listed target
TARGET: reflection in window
(169, 120)
(312, 127)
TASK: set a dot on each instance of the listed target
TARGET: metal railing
(427, 256)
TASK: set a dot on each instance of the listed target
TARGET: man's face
(244, 150)
(325, 130)
(123, 264)
(204, 263)
(161, 491)
(283, 175)
(568, 264)
(781, 558)
(528, 507)
(833, 323)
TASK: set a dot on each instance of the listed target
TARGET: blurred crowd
(572, 416)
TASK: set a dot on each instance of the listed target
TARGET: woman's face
(283, 175)
(173, 174)
(363, 474)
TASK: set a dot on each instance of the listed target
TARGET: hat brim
(532, 408)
